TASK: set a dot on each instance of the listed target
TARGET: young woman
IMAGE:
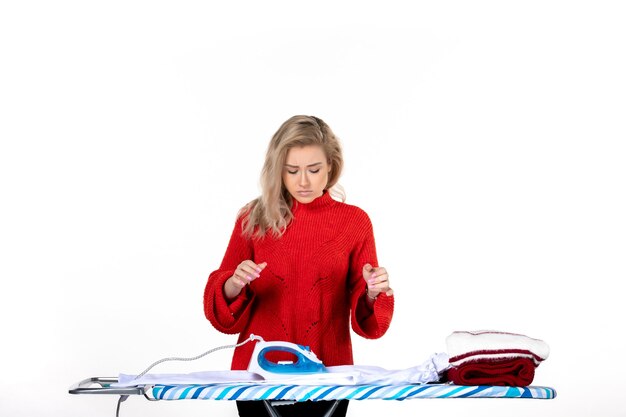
(300, 266)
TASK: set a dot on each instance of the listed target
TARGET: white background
(484, 139)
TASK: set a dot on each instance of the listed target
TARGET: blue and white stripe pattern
(244, 392)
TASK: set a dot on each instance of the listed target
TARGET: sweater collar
(321, 202)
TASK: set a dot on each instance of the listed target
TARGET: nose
(304, 178)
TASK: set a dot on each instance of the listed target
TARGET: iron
(306, 361)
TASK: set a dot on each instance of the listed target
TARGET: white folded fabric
(464, 346)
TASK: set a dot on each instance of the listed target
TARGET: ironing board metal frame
(86, 386)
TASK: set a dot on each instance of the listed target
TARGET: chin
(304, 200)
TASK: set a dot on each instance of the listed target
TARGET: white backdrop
(485, 140)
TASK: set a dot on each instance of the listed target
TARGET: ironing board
(276, 394)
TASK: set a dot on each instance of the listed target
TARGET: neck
(321, 202)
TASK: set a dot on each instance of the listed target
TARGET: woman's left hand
(377, 281)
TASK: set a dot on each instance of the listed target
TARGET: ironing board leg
(331, 410)
(274, 413)
(119, 402)
(270, 409)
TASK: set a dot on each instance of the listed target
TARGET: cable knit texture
(311, 289)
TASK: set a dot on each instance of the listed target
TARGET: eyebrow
(308, 166)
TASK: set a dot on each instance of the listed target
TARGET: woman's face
(305, 173)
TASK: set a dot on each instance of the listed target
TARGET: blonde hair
(271, 211)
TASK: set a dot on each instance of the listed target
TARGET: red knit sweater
(311, 289)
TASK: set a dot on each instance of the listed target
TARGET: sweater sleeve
(368, 322)
(229, 316)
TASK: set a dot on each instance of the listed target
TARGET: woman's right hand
(246, 272)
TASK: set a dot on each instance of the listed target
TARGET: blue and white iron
(306, 361)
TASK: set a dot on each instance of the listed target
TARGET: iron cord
(249, 339)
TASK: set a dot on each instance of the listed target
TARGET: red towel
(515, 372)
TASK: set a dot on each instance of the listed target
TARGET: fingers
(237, 282)
(247, 271)
(377, 277)
(377, 280)
(368, 269)
(244, 274)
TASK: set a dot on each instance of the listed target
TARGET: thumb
(367, 270)
(263, 265)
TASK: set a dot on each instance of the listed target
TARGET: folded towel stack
(494, 358)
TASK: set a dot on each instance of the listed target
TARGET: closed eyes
(312, 171)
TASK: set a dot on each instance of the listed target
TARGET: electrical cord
(249, 339)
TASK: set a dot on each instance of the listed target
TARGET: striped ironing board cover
(245, 392)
